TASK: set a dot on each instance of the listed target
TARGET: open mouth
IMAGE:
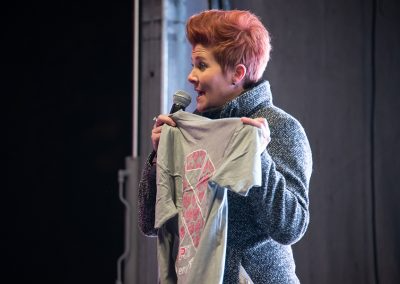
(200, 93)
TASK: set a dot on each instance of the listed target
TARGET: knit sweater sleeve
(281, 204)
(147, 198)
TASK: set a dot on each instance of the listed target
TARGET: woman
(230, 51)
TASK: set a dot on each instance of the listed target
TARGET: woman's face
(213, 87)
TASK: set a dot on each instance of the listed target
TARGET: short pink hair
(236, 37)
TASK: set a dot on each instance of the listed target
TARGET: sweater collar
(245, 103)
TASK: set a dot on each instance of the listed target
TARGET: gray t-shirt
(197, 161)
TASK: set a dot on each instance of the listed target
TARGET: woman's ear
(239, 74)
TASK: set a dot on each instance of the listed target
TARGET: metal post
(131, 227)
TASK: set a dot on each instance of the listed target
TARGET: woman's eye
(202, 66)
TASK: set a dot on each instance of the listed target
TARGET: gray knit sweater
(262, 225)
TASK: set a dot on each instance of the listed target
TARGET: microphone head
(182, 98)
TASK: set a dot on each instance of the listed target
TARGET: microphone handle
(176, 107)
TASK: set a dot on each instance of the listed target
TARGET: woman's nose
(192, 78)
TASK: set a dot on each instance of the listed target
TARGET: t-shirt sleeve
(241, 166)
(165, 206)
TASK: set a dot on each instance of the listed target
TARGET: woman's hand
(156, 132)
(261, 123)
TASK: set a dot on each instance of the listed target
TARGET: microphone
(181, 100)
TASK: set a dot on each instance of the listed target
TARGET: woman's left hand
(261, 123)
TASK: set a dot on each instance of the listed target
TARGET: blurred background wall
(67, 100)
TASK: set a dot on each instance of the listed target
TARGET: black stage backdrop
(67, 102)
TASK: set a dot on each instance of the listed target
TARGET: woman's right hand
(156, 132)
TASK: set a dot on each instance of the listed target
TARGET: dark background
(67, 105)
(67, 84)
